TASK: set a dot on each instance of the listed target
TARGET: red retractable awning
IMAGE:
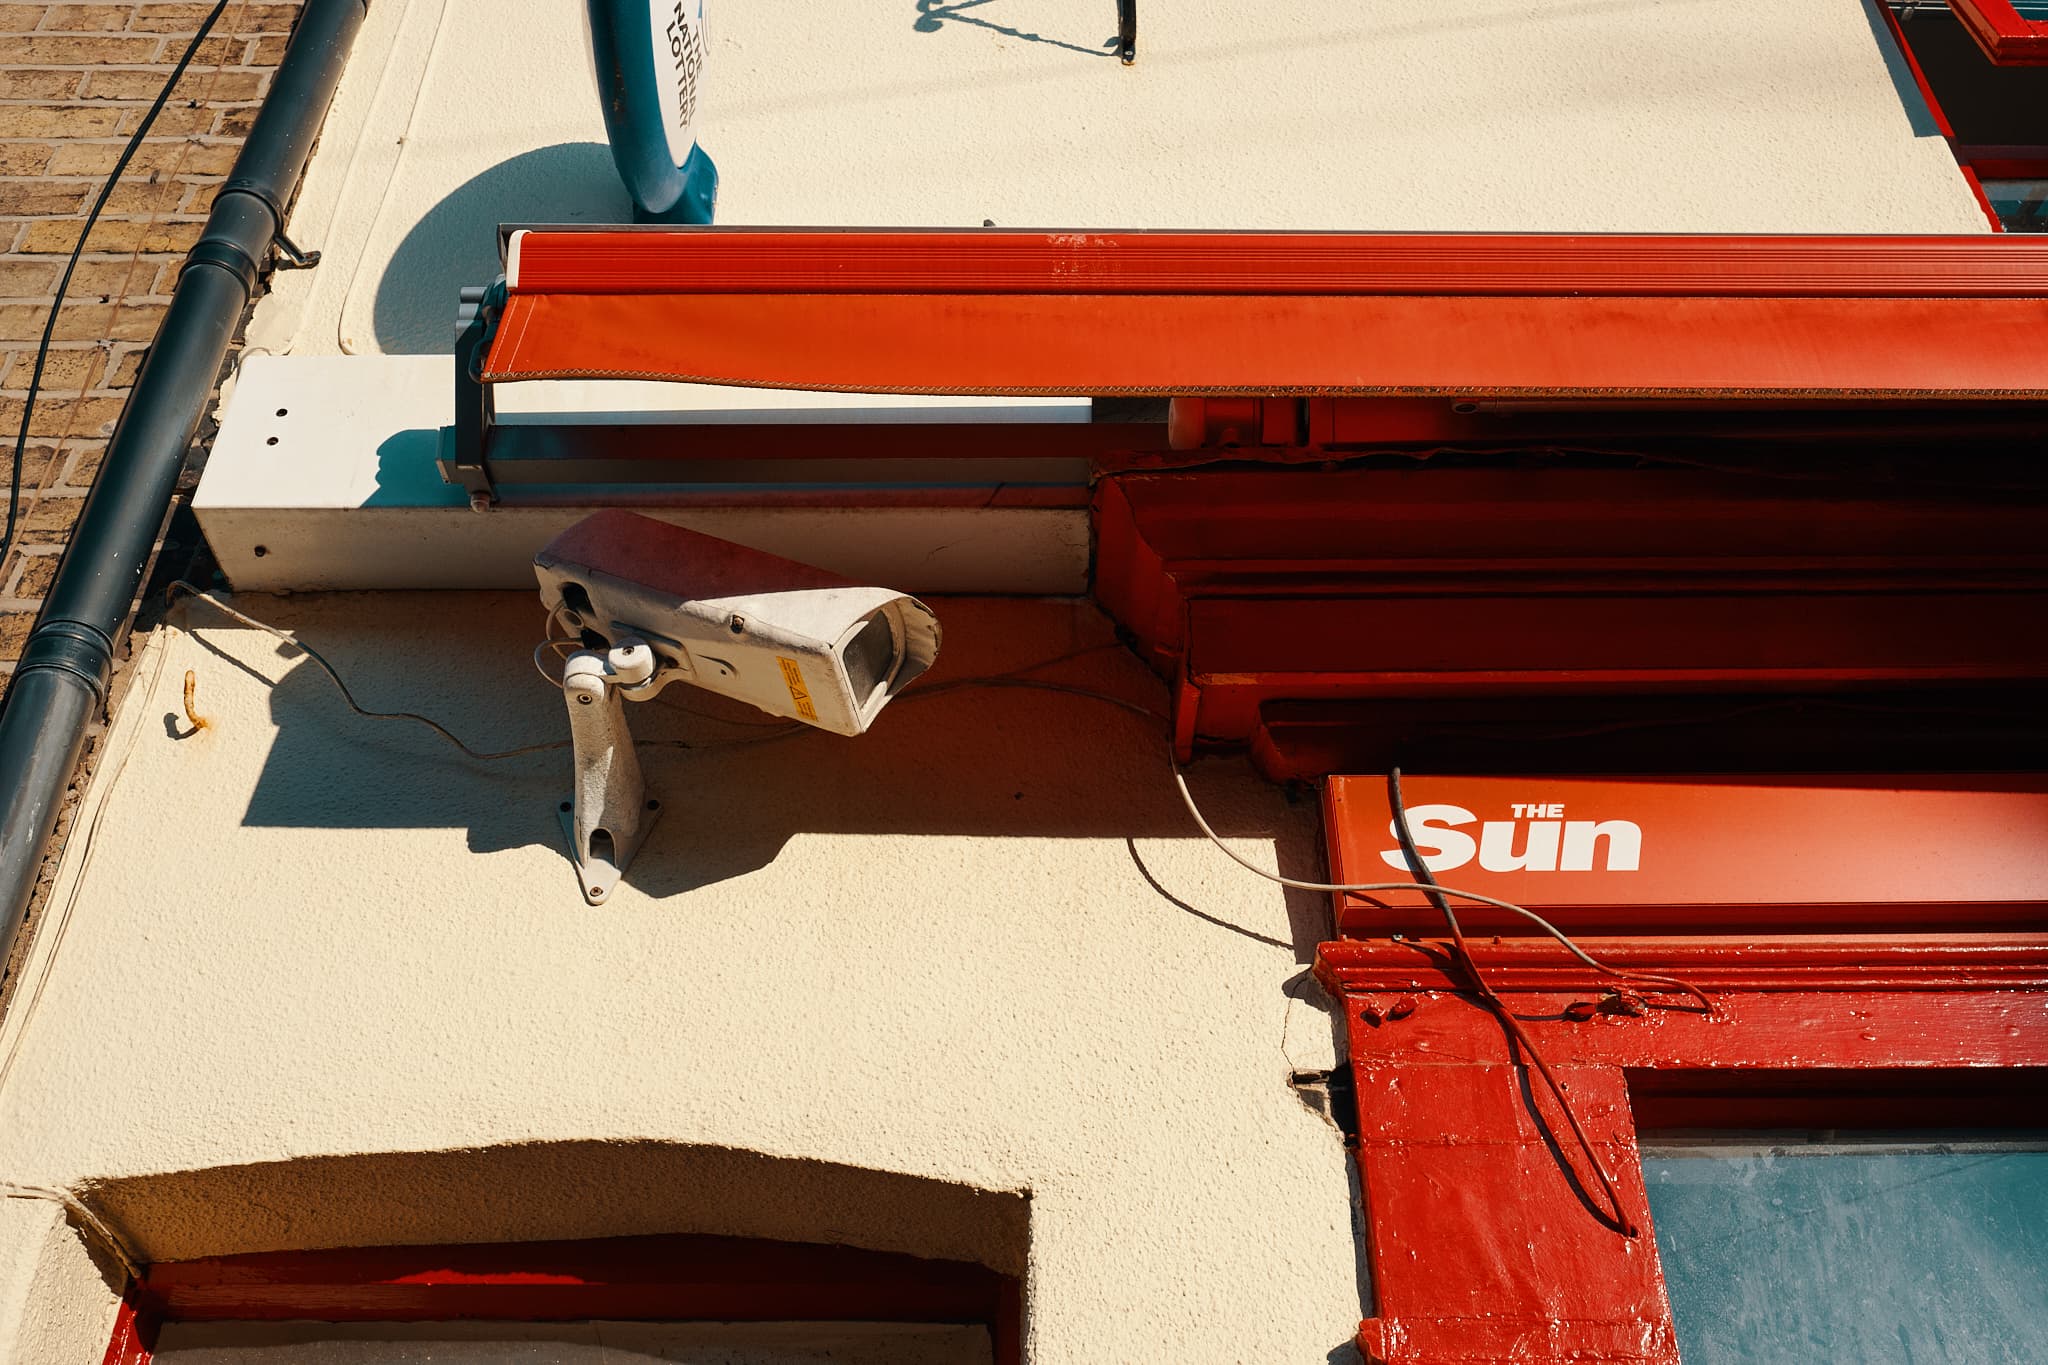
(1183, 313)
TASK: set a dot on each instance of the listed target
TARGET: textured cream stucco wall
(911, 991)
(965, 986)
(57, 1296)
(1527, 115)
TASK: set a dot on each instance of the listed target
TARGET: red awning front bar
(1184, 313)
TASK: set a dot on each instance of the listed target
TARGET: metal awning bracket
(468, 464)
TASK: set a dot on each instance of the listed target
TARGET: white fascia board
(323, 477)
(634, 402)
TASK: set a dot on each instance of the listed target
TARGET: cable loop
(1614, 1002)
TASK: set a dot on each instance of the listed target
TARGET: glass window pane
(1778, 1248)
(2022, 205)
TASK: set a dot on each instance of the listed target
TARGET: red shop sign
(1653, 855)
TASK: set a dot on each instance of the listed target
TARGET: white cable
(1012, 679)
(87, 1219)
(347, 696)
(1425, 887)
(84, 828)
(556, 643)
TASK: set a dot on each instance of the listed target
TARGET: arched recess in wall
(555, 1191)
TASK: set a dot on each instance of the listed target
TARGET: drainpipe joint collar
(73, 647)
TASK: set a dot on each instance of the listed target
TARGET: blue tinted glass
(2021, 205)
(1882, 1254)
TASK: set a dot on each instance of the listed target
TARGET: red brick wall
(75, 80)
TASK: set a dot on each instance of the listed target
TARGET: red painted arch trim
(656, 1278)
(134, 1339)
(677, 1278)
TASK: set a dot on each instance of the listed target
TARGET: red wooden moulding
(2029, 162)
(659, 1278)
(1249, 588)
(1658, 855)
(1284, 431)
(1219, 313)
(2007, 36)
(1483, 1247)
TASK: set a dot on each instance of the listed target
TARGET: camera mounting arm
(609, 812)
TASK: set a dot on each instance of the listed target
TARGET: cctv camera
(790, 639)
(654, 604)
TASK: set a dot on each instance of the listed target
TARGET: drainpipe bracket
(290, 257)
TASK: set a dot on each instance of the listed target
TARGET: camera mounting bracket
(609, 813)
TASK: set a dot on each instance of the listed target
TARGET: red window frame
(1979, 162)
(1963, 161)
(1483, 1248)
(1875, 951)
(2007, 37)
(655, 1279)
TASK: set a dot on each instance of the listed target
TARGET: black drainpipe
(62, 679)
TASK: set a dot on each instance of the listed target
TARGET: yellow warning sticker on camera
(798, 693)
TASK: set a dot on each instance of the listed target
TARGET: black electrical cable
(28, 406)
(1463, 956)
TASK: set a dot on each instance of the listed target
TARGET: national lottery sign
(650, 56)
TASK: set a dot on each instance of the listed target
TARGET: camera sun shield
(790, 639)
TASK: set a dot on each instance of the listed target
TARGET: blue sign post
(650, 61)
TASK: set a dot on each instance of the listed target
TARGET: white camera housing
(653, 604)
(787, 638)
